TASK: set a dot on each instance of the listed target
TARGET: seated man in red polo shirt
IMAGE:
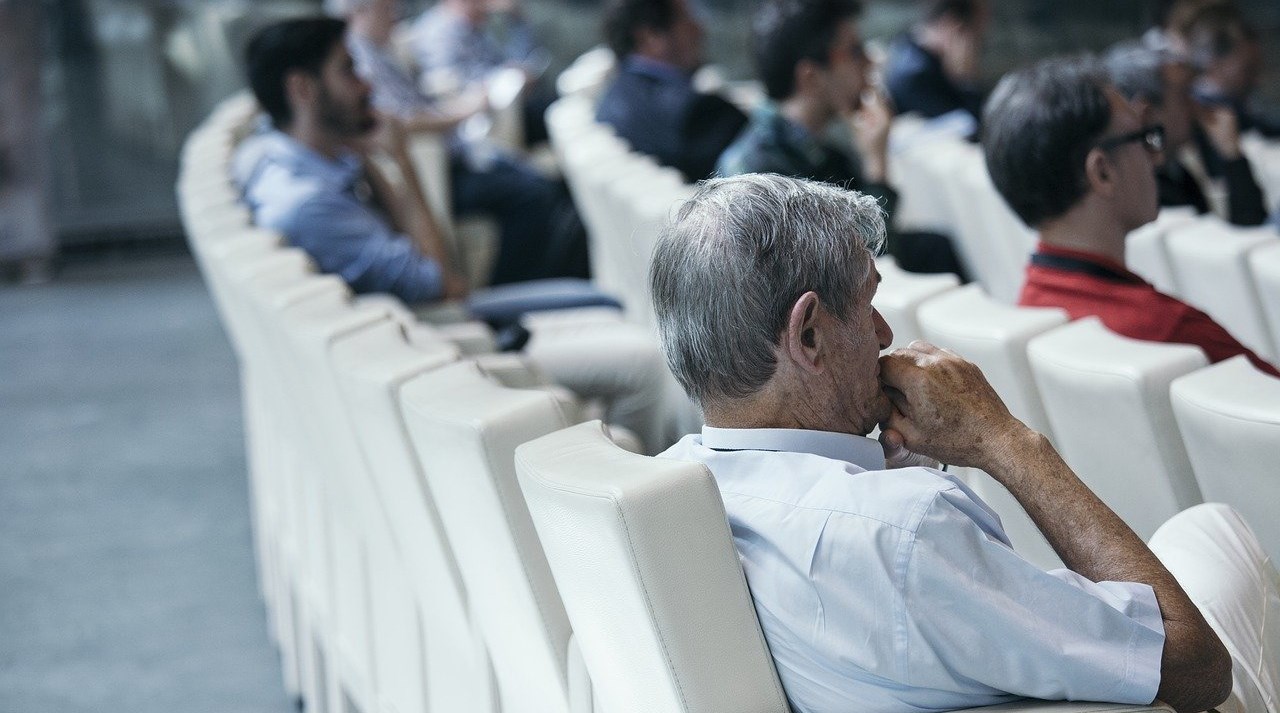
(1073, 160)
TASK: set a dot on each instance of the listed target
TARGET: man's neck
(812, 114)
(1087, 229)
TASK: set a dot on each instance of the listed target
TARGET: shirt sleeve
(978, 614)
(1198, 329)
(345, 239)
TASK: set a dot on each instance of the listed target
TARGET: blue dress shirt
(898, 590)
(325, 206)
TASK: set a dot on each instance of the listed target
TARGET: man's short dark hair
(292, 45)
(785, 32)
(1038, 127)
(965, 11)
(624, 18)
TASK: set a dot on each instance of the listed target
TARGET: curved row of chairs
(1133, 453)
(434, 533)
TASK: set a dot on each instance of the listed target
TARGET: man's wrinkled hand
(943, 407)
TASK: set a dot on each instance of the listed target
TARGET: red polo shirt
(1085, 284)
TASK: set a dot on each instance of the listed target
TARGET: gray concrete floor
(126, 571)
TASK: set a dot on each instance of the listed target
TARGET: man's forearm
(1093, 541)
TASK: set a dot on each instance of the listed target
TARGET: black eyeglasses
(1152, 138)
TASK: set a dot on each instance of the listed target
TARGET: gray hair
(1136, 70)
(739, 253)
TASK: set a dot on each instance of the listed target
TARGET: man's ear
(1099, 173)
(802, 338)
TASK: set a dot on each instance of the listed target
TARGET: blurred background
(97, 95)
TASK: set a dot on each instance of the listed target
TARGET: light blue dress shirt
(325, 207)
(898, 590)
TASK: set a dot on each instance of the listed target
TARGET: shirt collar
(341, 171)
(1100, 260)
(858, 450)
(787, 134)
(656, 69)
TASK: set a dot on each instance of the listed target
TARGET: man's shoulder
(815, 483)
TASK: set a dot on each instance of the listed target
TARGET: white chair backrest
(427, 654)
(901, 293)
(465, 429)
(1006, 243)
(1264, 264)
(1211, 266)
(1107, 399)
(1229, 416)
(1145, 252)
(642, 553)
(994, 336)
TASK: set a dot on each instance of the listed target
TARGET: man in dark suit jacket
(652, 103)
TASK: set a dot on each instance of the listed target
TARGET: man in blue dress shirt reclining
(881, 582)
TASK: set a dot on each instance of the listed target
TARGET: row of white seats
(1231, 273)
(945, 187)
(1149, 427)
(397, 554)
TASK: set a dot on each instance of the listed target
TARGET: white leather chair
(641, 551)
(901, 293)
(994, 336)
(427, 655)
(1145, 252)
(465, 429)
(1210, 262)
(1107, 399)
(587, 75)
(643, 556)
(1264, 263)
(1229, 416)
(304, 332)
(1005, 242)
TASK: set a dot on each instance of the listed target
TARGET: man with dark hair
(309, 178)
(652, 103)
(809, 55)
(1158, 85)
(1072, 158)
(932, 69)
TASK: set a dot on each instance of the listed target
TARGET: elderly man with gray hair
(881, 582)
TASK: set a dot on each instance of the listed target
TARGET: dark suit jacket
(656, 110)
(1245, 204)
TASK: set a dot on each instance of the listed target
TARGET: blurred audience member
(1074, 161)
(310, 179)
(484, 180)
(809, 55)
(460, 44)
(932, 69)
(1225, 48)
(652, 103)
(1158, 84)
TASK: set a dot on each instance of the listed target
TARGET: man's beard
(344, 122)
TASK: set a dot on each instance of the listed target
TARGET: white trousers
(596, 355)
(1219, 562)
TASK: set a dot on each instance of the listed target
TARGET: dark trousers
(538, 238)
(926, 252)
